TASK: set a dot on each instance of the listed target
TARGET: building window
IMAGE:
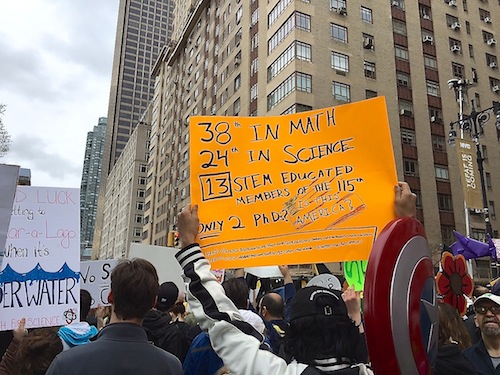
(438, 143)
(137, 232)
(410, 167)
(458, 70)
(253, 92)
(447, 234)
(492, 210)
(338, 4)
(484, 15)
(297, 80)
(445, 203)
(142, 181)
(488, 181)
(441, 172)
(370, 94)
(399, 27)
(237, 82)
(236, 107)
(296, 108)
(369, 69)
(366, 15)
(403, 79)
(430, 62)
(297, 49)
(341, 91)
(368, 42)
(141, 193)
(405, 108)
(487, 37)
(485, 153)
(303, 21)
(277, 11)
(401, 52)
(304, 82)
(143, 168)
(340, 62)
(139, 206)
(138, 219)
(491, 61)
(400, 4)
(338, 32)
(408, 137)
(433, 88)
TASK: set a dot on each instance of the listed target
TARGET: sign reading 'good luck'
(302, 188)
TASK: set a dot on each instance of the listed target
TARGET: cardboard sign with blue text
(39, 278)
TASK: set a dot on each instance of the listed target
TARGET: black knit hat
(167, 295)
(315, 300)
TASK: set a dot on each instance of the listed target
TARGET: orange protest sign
(303, 188)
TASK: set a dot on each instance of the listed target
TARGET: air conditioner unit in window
(433, 118)
(493, 64)
(491, 42)
(455, 48)
(487, 19)
(427, 39)
(405, 112)
(455, 26)
(452, 3)
(368, 43)
(342, 11)
(426, 17)
(496, 88)
(395, 3)
(237, 61)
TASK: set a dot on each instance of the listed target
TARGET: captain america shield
(401, 315)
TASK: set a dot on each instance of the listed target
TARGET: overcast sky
(55, 72)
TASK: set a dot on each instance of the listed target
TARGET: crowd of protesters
(311, 330)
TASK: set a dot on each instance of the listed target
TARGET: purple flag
(471, 248)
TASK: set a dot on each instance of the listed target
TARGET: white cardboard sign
(39, 276)
(95, 277)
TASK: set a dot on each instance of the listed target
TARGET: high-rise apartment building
(89, 187)
(246, 58)
(124, 196)
(143, 28)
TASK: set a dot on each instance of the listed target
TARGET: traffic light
(176, 239)
(171, 238)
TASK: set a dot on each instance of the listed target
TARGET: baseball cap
(490, 296)
(167, 295)
(315, 300)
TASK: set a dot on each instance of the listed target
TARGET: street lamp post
(474, 125)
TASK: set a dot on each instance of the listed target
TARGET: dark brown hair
(37, 350)
(134, 284)
(452, 327)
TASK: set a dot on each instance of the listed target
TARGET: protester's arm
(289, 290)
(215, 312)
(7, 364)
(352, 300)
(404, 201)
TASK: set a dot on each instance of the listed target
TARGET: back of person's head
(167, 295)
(36, 351)
(274, 304)
(134, 286)
(237, 291)
(85, 302)
(452, 327)
(320, 327)
(178, 309)
(479, 290)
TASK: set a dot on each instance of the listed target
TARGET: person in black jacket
(122, 346)
(159, 326)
